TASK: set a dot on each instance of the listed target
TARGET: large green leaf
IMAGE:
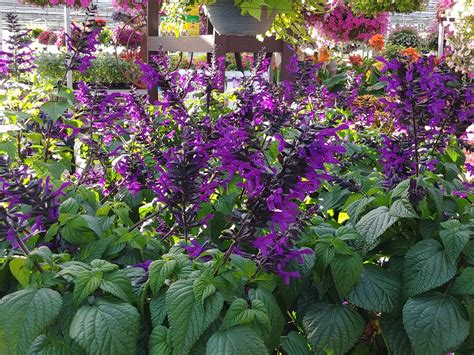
(24, 315)
(464, 283)
(239, 313)
(236, 341)
(295, 344)
(395, 335)
(77, 231)
(332, 327)
(119, 285)
(55, 109)
(158, 309)
(454, 237)
(159, 271)
(402, 208)
(189, 318)
(435, 323)
(372, 225)
(346, 271)
(427, 266)
(378, 290)
(106, 328)
(274, 312)
(160, 342)
(85, 284)
(53, 345)
(357, 207)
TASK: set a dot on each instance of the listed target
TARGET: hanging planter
(227, 19)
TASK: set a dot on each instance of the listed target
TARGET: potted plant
(285, 18)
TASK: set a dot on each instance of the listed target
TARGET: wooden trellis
(209, 43)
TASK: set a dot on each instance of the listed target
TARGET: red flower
(356, 60)
(377, 42)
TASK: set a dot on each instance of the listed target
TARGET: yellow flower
(379, 65)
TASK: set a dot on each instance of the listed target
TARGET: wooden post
(153, 25)
(286, 54)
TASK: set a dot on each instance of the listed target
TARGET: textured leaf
(106, 328)
(435, 323)
(402, 208)
(454, 238)
(203, 286)
(85, 284)
(356, 208)
(332, 327)
(239, 313)
(119, 285)
(77, 231)
(24, 315)
(378, 290)
(401, 189)
(55, 109)
(20, 270)
(188, 318)
(44, 345)
(395, 335)
(295, 344)
(158, 309)
(103, 265)
(464, 283)
(372, 225)
(236, 341)
(160, 342)
(274, 312)
(346, 271)
(159, 271)
(427, 266)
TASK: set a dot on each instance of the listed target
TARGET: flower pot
(227, 19)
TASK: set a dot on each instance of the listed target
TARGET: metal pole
(440, 38)
(67, 30)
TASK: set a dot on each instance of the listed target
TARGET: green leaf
(188, 318)
(332, 328)
(119, 285)
(160, 342)
(44, 253)
(401, 190)
(236, 341)
(464, 283)
(372, 225)
(86, 284)
(159, 271)
(435, 323)
(240, 314)
(403, 209)
(295, 344)
(356, 208)
(346, 271)
(454, 238)
(203, 286)
(24, 315)
(395, 335)
(20, 270)
(335, 80)
(378, 290)
(277, 319)
(427, 266)
(54, 345)
(248, 267)
(158, 309)
(106, 328)
(103, 265)
(55, 109)
(77, 231)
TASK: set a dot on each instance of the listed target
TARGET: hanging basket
(228, 20)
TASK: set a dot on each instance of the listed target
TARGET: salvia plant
(272, 219)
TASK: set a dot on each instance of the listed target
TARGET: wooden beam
(252, 44)
(202, 43)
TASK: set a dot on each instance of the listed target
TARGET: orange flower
(356, 60)
(412, 53)
(323, 55)
(377, 42)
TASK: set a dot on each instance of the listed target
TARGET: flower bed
(307, 217)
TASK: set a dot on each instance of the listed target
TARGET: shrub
(405, 37)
